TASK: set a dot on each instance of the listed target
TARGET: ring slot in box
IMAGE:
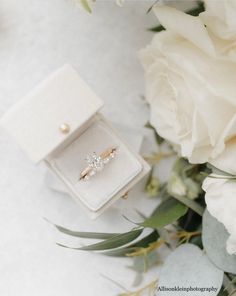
(59, 123)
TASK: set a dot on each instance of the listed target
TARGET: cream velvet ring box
(59, 123)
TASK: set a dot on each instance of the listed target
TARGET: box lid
(36, 122)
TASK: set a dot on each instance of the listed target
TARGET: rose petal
(219, 16)
(184, 25)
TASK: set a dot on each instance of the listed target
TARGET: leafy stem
(155, 158)
(185, 236)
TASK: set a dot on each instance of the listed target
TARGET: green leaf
(120, 252)
(168, 212)
(142, 243)
(190, 204)
(92, 235)
(110, 243)
(86, 6)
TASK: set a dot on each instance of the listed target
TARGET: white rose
(192, 94)
(221, 203)
(220, 20)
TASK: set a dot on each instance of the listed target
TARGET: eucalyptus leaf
(190, 204)
(214, 237)
(142, 243)
(166, 213)
(110, 243)
(119, 252)
(145, 241)
(81, 234)
(187, 266)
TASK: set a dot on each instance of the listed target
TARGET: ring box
(59, 123)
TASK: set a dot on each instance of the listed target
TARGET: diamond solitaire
(96, 163)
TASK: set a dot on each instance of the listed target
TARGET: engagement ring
(96, 163)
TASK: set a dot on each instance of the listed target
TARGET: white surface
(36, 38)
